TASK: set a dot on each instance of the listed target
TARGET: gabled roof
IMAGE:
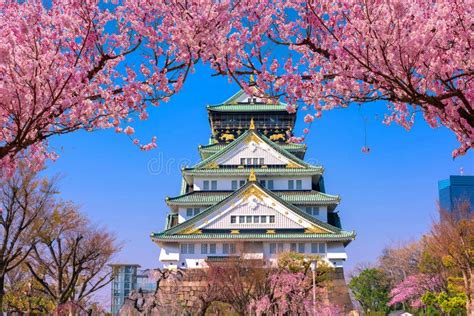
(231, 105)
(283, 171)
(207, 150)
(189, 224)
(251, 133)
(339, 236)
(294, 197)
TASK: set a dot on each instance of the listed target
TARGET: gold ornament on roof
(292, 165)
(315, 230)
(227, 137)
(252, 176)
(212, 165)
(253, 138)
(252, 124)
(190, 230)
(275, 137)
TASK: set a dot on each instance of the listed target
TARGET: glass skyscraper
(454, 190)
(125, 280)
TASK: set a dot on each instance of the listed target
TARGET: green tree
(371, 289)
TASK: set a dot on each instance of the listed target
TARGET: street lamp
(313, 270)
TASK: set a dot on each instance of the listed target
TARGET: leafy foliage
(371, 289)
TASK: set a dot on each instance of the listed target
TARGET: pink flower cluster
(61, 66)
(412, 289)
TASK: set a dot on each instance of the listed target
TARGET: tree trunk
(468, 277)
(2, 292)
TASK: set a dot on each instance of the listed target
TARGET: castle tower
(252, 195)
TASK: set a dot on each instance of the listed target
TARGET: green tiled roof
(247, 108)
(339, 236)
(207, 150)
(231, 105)
(240, 139)
(258, 171)
(211, 209)
(293, 197)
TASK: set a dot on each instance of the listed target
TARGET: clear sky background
(388, 195)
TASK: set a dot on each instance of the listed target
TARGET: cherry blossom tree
(415, 55)
(413, 288)
(75, 65)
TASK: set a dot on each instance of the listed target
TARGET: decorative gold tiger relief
(190, 230)
(212, 165)
(275, 137)
(227, 137)
(315, 230)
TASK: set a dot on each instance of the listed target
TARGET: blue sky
(388, 195)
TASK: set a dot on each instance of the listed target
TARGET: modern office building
(455, 190)
(252, 196)
(126, 278)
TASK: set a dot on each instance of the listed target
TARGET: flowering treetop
(77, 65)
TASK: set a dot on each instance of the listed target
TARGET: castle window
(214, 185)
(228, 249)
(293, 247)
(263, 183)
(312, 210)
(273, 248)
(318, 248)
(322, 248)
(299, 184)
(291, 184)
(212, 249)
(187, 249)
(269, 184)
(249, 161)
(189, 212)
(280, 247)
(242, 183)
(272, 218)
(256, 219)
(301, 248)
(242, 161)
(206, 185)
(263, 219)
(241, 219)
(204, 249)
(248, 219)
(261, 161)
(233, 219)
(234, 184)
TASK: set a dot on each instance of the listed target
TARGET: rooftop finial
(252, 124)
(252, 176)
(251, 80)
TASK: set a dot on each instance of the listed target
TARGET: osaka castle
(252, 195)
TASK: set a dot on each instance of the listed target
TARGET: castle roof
(294, 197)
(316, 229)
(238, 103)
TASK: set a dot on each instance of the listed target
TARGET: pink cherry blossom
(129, 130)
(308, 118)
(412, 289)
(75, 65)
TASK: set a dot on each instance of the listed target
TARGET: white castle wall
(225, 183)
(171, 257)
